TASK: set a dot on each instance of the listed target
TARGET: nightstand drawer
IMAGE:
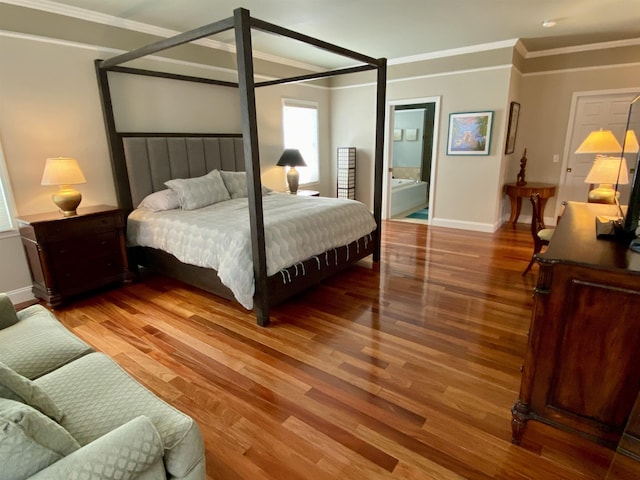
(84, 250)
(81, 276)
(63, 229)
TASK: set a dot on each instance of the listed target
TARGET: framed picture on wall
(469, 133)
(397, 134)
(514, 113)
(411, 134)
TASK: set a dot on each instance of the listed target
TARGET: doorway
(410, 162)
(590, 111)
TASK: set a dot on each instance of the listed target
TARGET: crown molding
(484, 47)
(583, 48)
(112, 21)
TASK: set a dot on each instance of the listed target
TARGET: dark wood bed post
(252, 161)
(379, 155)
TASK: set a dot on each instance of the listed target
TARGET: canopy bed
(143, 162)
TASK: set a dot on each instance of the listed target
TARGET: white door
(591, 112)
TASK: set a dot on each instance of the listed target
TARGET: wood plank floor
(406, 369)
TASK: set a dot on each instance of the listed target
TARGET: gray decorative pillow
(236, 183)
(14, 386)
(162, 200)
(8, 315)
(29, 441)
(200, 191)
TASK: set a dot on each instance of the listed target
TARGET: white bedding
(218, 236)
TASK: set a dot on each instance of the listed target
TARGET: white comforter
(218, 236)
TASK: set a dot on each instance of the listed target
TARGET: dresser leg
(520, 416)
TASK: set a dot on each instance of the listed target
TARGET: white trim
(464, 225)
(388, 153)
(112, 21)
(430, 75)
(582, 69)
(21, 295)
(483, 47)
(584, 48)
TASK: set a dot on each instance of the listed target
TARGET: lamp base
(67, 200)
(292, 180)
(603, 194)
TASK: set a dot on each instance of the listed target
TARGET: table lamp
(291, 158)
(602, 172)
(64, 172)
(607, 171)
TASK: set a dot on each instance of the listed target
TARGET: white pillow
(161, 200)
(200, 191)
(236, 183)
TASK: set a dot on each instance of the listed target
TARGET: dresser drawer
(84, 250)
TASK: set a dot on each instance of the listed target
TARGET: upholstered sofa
(69, 412)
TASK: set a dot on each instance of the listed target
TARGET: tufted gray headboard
(152, 159)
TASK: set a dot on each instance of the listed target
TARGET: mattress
(218, 236)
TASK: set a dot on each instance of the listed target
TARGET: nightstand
(306, 193)
(72, 255)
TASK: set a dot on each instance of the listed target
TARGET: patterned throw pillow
(161, 200)
(200, 191)
(14, 386)
(29, 441)
(8, 315)
(236, 183)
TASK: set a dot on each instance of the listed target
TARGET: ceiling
(387, 28)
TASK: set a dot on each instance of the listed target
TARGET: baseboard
(21, 295)
(462, 225)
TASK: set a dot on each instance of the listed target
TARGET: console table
(517, 192)
(581, 371)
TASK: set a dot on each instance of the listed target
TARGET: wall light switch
(556, 158)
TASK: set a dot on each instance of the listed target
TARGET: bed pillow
(161, 200)
(200, 191)
(8, 314)
(236, 183)
(30, 441)
(14, 386)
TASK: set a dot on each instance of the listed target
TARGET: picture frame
(411, 134)
(397, 134)
(470, 133)
(512, 129)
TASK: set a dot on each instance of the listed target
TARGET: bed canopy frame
(242, 23)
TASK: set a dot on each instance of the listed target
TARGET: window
(300, 125)
(6, 222)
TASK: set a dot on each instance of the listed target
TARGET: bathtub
(407, 195)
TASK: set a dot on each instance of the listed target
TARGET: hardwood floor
(406, 369)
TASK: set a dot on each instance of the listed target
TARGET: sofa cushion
(39, 343)
(132, 451)
(29, 440)
(14, 386)
(8, 315)
(98, 396)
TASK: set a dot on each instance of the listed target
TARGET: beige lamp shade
(631, 142)
(607, 172)
(64, 172)
(600, 141)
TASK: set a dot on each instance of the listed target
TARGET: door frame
(567, 141)
(388, 154)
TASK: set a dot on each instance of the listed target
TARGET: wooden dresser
(72, 255)
(581, 371)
